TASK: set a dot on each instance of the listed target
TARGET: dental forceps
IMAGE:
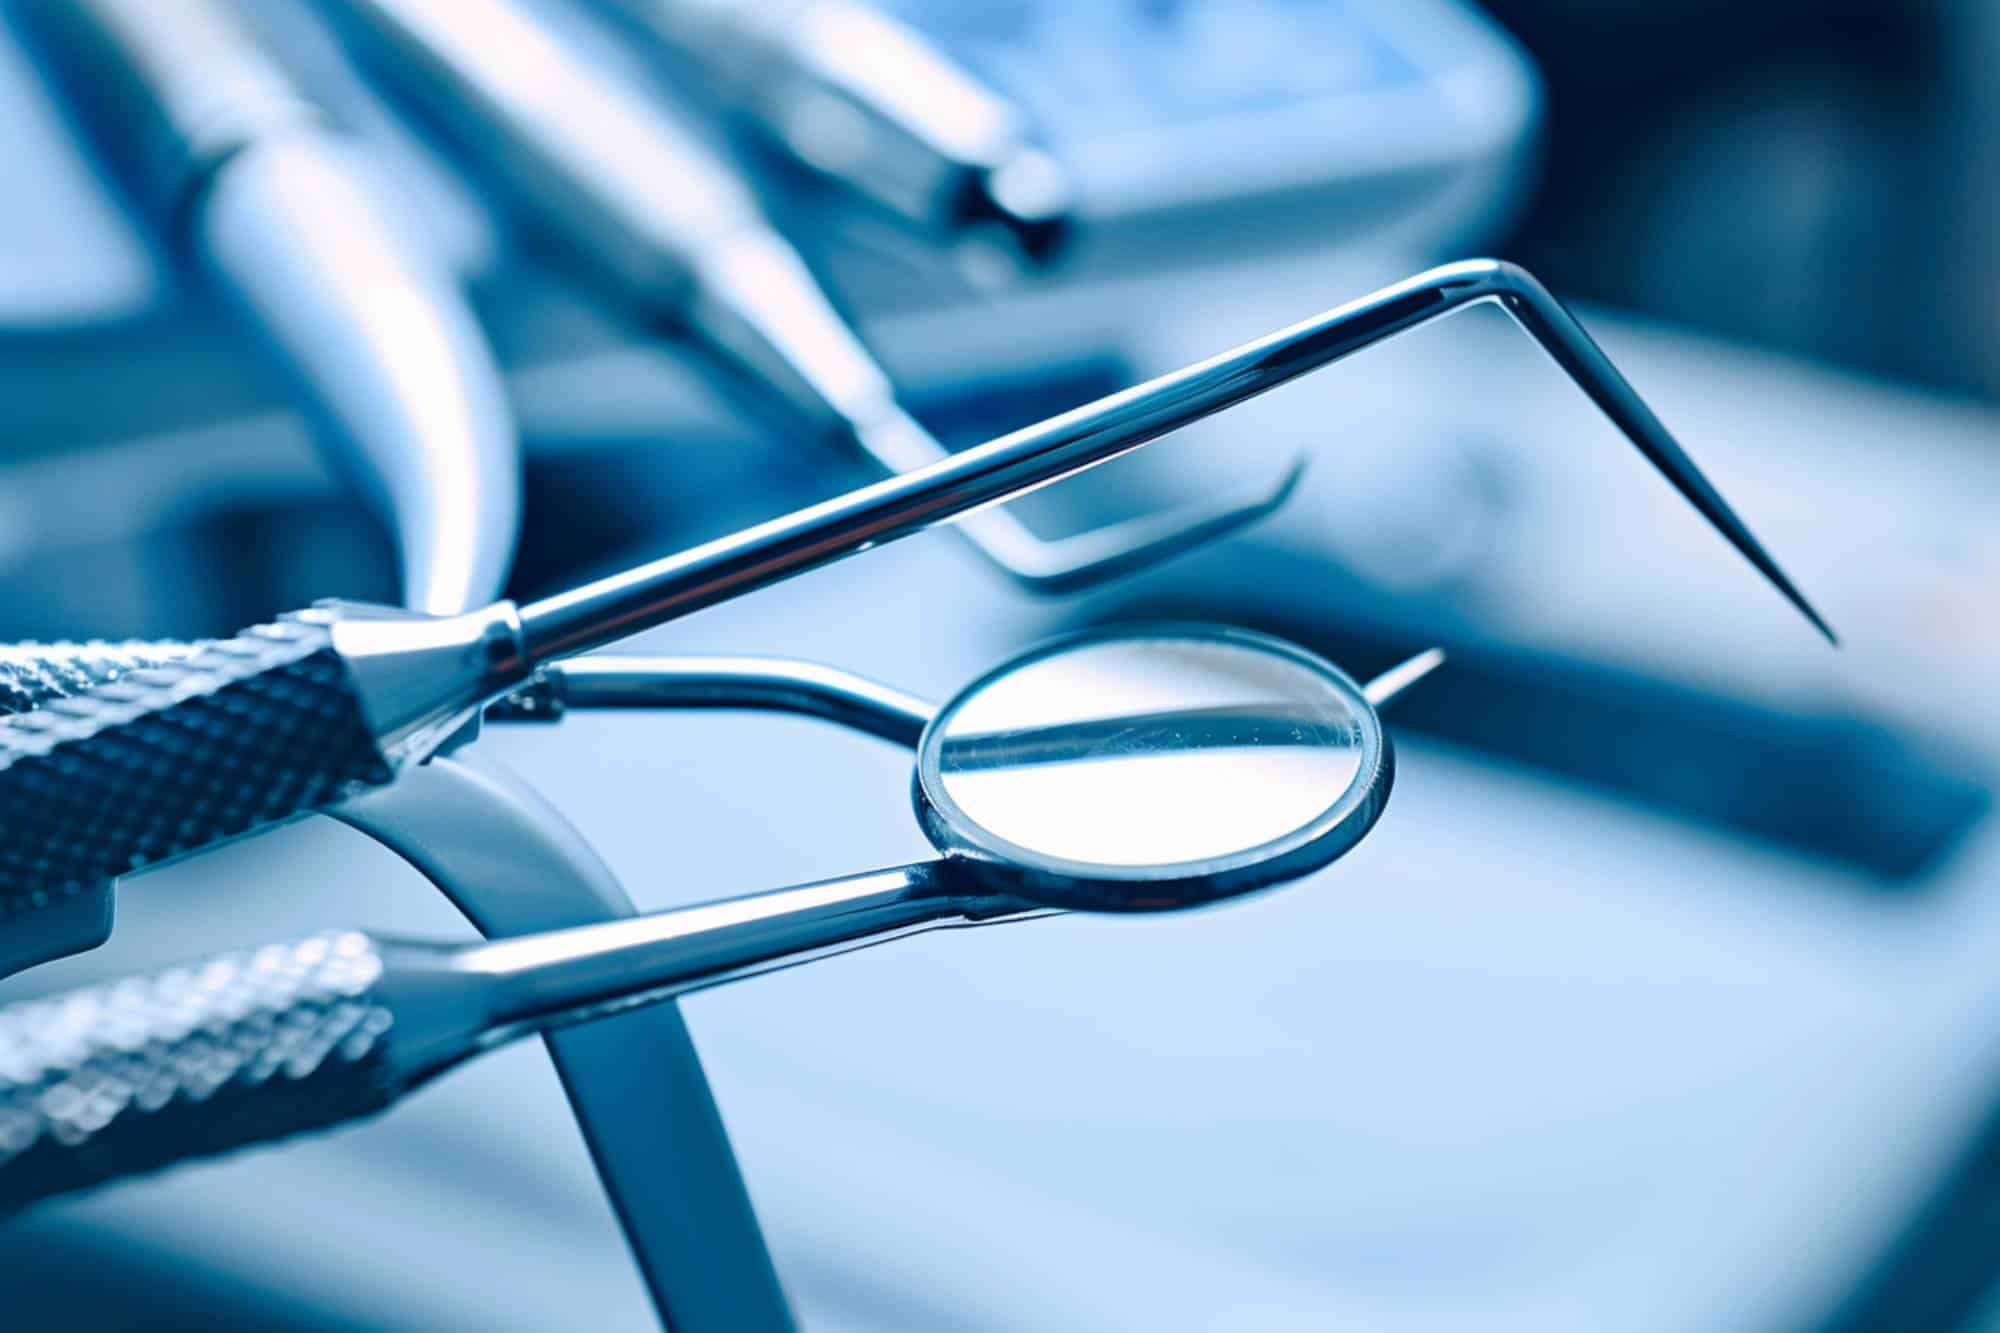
(296, 715)
(1200, 764)
(669, 231)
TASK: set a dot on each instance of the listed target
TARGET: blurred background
(1662, 998)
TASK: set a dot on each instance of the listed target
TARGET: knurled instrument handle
(173, 752)
(137, 1074)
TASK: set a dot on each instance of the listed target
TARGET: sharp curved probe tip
(1545, 318)
(1152, 409)
(928, 489)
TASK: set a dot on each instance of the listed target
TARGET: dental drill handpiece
(247, 178)
(852, 93)
(668, 230)
(292, 716)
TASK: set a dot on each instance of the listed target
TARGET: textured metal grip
(32, 674)
(137, 1074)
(174, 757)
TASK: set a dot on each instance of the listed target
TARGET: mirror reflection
(1152, 751)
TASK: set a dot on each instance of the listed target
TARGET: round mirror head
(1145, 769)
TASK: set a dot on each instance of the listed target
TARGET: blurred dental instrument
(218, 739)
(670, 229)
(242, 174)
(860, 97)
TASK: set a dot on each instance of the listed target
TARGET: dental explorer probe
(852, 93)
(240, 171)
(291, 716)
(669, 231)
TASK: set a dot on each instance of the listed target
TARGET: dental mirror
(1122, 770)
(1139, 770)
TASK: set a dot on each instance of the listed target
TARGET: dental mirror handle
(767, 684)
(130, 1076)
(123, 1079)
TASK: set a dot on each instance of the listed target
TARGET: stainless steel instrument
(1134, 770)
(243, 174)
(668, 230)
(296, 715)
(860, 97)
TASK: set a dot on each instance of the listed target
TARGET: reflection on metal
(610, 608)
(514, 865)
(1384, 689)
(318, 1032)
(806, 688)
(388, 356)
(671, 232)
(245, 175)
(371, 694)
(858, 96)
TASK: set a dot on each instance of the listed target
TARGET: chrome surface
(238, 167)
(1147, 751)
(569, 976)
(1139, 769)
(1391, 685)
(1060, 704)
(512, 864)
(672, 234)
(864, 99)
(1231, 761)
(610, 608)
(420, 677)
(621, 186)
(383, 346)
(1256, 823)
(774, 684)
(1066, 564)
(169, 93)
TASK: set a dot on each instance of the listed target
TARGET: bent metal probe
(292, 716)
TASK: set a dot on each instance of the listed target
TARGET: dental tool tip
(1753, 551)
(1391, 684)
(1029, 196)
(1818, 623)
(1724, 519)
